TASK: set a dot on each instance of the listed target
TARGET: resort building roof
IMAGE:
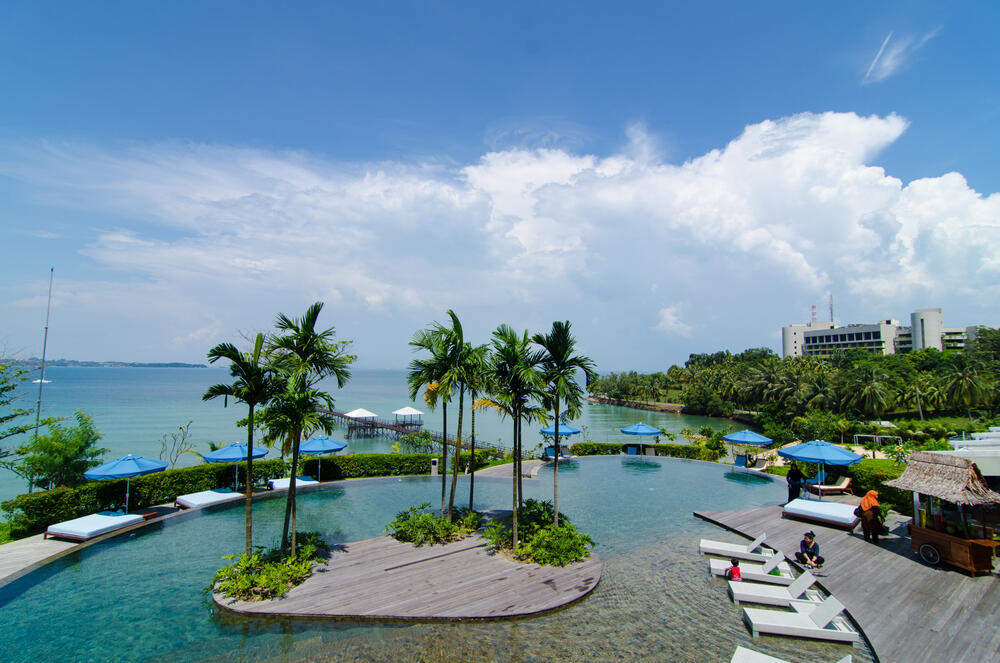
(949, 478)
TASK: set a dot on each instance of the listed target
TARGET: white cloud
(219, 239)
(894, 53)
(670, 321)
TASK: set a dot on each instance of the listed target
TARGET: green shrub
(557, 546)
(539, 540)
(268, 575)
(691, 451)
(354, 466)
(595, 449)
(416, 525)
(870, 474)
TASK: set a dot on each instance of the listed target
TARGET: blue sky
(671, 178)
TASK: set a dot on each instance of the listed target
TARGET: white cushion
(282, 484)
(93, 525)
(206, 497)
(829, 511)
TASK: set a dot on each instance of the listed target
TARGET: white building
(887, 337)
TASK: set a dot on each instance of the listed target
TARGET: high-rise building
(888, 337)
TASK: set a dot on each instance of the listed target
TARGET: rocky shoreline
(672, 408)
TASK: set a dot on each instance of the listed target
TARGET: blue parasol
(748, 437)
(640, 429)
(564, 429)
(234, 453)
(822, 453)
(321, 445)
(125, 467)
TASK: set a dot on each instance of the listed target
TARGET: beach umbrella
(564, 429)
(321, 444)
(746, 437)
(641, 429)
(125, 467)
(822, 453)
(234, 453)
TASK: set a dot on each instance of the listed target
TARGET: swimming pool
(140, 597)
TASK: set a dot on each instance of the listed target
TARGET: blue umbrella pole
(127, 481)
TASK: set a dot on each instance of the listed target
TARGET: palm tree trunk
(291, 484)
(520, 485)
(514, 482)
(249, 509)
(458, 451)
(472, 451)
(444, 455)
(555, 471)
(288, 519)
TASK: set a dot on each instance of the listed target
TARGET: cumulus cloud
(670, 321)
(758, 228)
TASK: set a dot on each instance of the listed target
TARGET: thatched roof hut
(950, 478)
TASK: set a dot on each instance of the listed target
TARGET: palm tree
(303, 356)
(293, 414)
(431, 373)
(869, 391)
(255, 385)
(514, 383)
(475, 380)
(962, 384)
(559, 367)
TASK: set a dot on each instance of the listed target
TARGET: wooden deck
(909, 611)
(384, 579)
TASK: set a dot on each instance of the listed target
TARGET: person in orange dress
(871, 517)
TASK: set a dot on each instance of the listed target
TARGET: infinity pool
(140, 597)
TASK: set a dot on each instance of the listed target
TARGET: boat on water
(40, 381)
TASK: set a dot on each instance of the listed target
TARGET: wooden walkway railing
(378, 427)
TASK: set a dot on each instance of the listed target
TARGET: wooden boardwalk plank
(907, 610)
(382, 578)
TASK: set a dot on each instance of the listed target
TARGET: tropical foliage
(61, 456)
(418, 526)
(543, 541)
(259, 575)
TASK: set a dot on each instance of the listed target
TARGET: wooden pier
(909, 611)
(378, 427)
(384, 579)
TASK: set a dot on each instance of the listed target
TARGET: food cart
(958, 481)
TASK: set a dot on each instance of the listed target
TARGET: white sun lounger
(207, 498)
(756, 592)
(87, 527)
(744, 655)
(756, 572)
(748, 551)
(820, 622)
(828, 513)
(282, 484)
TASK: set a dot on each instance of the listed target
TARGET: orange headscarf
(870, 500)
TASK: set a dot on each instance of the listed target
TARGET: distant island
(36, 361)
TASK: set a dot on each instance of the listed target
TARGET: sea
(136, 408)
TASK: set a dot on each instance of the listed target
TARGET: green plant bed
(539, 540)
(268, 575)
(691, 451)
(5, 533)
(419, 526)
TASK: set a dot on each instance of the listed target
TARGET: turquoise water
(134, 407)
(139, 597)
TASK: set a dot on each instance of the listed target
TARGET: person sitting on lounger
(733, 572)
(809, 551)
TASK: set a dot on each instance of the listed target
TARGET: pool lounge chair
(757, 572)
(550, 453)
(821, 621)
(744, 655)
(282, 484)
(835, 488)
(757, 592)
(207, 498)
(748, 551)
(87, 527)
(827, 513)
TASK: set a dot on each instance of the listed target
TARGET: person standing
(809, 551)
(794, 479)
(871, 517)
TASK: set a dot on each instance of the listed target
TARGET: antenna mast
(45, 343)
(831, 307)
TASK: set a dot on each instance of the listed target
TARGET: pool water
(140, 597)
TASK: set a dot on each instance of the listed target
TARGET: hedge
(691, 451)
(33, 512)
(870, 474)
(354, 466)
